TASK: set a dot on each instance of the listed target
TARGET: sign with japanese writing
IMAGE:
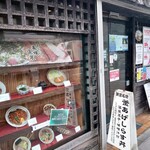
(122, 129)
(139, 54)
(146, 46)
(59, 117)
(114, 75)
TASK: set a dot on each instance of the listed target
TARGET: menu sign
(59, 117)
(122, 128)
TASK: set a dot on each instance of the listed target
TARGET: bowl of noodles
(22, 143)
(17, 116)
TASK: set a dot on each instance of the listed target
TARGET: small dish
(17, 116)
(22, 143)
(23, 89)
(43, 84)
(56, 77)
(46, 135)
(47, 109)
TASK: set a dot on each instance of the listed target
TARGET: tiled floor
(143, 132)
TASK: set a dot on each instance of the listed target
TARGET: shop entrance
(117, 58)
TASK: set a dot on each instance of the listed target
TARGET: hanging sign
(122, 128)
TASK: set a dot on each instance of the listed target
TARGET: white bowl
(47, 130)
(24, 139)
(23, 89)
(14, 108)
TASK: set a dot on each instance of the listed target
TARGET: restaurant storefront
(122, 29)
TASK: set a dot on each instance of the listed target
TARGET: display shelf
(46, 146)
(17, 99)
(10, 132)
(31, 67)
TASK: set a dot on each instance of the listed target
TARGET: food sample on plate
(63, 130)
(56, 77)
(47, 109)
(46, 135)
(18, 116)
(11, 54)
(22, 143)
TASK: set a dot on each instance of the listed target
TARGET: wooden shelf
(9, 132)
(17, 99)
(32, 67)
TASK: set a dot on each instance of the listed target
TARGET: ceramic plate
(47, 109)
(22, 143)
(17, 116)
(56, 77)
(2, 88)
(46, 135)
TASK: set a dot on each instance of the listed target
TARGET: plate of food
(63, 130)
(46, 135)
(22, 143)
(47, 109)
(56, 77)
(17, 116)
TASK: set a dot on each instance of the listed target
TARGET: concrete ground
(143, 132)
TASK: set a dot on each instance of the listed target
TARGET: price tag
(32, 121)
(4, 97)
(37, 90)
(36, 147)
(59, 137)
(41, 125)
(77, 129)
(67, 83)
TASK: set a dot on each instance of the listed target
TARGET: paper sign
(146, 46)
(59, 137)
(141, 74)
(41, 125)
(77, 129)
(59, 117)
(139, 54)
(122, 129)
(36, 147)
(4, 97)
(32, 121)
(67, 83)
(37, 90)
(114, 75)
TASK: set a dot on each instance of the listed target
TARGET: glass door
(117, 59)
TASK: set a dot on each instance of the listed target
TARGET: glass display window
(42, 89)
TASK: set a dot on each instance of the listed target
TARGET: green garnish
(23, 88)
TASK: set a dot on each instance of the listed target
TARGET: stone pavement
(143, 132)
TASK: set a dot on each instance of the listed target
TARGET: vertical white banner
(122, 128)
